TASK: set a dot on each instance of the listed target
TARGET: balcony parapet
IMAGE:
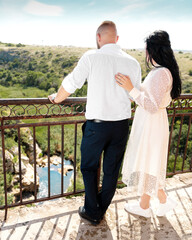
(71, 112)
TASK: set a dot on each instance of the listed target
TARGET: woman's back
(157, 86)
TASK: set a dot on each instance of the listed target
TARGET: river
(55, 180)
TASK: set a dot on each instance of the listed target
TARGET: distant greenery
(11, 45)
(43, 69)
(37, 67)
(181, 150)
(9, 178)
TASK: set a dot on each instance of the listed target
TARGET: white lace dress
(145, 160)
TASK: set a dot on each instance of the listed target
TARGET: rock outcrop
(27, 179)
(42, 162)
(66, 169)
(27, 171)
(8, 160)
(27, 142)
(56, 160)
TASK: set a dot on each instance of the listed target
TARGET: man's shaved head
(106, 33)
(107, 27)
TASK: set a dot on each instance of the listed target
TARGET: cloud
(132, 6)
(130, 10)
(41, 9)
(91, 3)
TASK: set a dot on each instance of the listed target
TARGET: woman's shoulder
(162, 72)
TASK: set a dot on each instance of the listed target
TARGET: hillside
(36, 71)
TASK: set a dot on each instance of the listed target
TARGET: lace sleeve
(151, 98)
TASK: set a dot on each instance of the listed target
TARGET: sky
(74, 22)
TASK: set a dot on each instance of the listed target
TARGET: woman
(145, 161)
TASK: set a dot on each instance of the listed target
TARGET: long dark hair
(158, 48)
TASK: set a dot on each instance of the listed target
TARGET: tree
(8, 79)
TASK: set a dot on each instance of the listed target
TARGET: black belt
(97, 120)
(100, 121)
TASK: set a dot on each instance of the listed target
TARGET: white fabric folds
(145, 161)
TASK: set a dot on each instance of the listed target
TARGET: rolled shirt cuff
(134, 93)
(68, 86)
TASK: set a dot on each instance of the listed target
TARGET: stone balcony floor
(59, 219)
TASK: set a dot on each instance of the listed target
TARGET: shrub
(20, 45)
(9, 45)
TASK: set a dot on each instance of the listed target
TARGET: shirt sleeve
(151, 98)
(77, 77)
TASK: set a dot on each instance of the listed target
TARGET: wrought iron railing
(16, 114)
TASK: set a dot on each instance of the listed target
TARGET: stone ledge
(59, 219)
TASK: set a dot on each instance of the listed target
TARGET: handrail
(19, 101)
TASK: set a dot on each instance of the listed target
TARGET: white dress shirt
(106, 100)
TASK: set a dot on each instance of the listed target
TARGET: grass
(19, 92)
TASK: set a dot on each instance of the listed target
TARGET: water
(55, 180)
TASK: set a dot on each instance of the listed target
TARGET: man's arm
(73, 81)
(60, 96)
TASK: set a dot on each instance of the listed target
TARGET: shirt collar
(110, 46)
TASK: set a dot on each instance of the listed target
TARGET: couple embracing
(114, 80)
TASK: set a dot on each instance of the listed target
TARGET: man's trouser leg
(92, 145)
(110, 137)
(113, 157)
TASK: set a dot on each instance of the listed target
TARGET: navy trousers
(109, 137)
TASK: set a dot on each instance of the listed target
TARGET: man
(107, 111)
